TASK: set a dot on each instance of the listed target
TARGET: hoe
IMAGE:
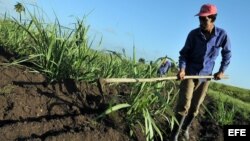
(102, 81)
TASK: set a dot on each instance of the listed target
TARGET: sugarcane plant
(61, 53)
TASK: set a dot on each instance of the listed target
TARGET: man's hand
(218, 75)
(181, 74)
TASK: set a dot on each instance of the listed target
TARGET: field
(67, 110)
(49, 90)
(34, 110)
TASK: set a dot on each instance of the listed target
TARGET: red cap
(206, 10)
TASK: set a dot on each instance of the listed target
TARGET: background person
(164, 67)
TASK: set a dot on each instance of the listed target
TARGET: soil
(32, 109)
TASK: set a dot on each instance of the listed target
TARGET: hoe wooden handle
(133, 80)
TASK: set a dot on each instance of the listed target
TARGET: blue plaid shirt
(198, 55)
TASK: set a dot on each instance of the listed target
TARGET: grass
(235, 92)
(64, 53)
(245, 106)
(227, 106)
(224, 114)
(60, 53)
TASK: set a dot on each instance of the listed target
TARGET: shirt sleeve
(226, 54)
(184, 53)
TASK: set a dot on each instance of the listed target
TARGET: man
(164, 68)
(197, 57)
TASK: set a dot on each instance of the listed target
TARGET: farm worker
(164, 68)
(197, 57)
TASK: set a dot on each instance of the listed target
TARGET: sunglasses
(204, 18)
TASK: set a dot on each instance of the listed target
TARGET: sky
(155, 27)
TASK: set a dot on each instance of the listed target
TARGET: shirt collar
(216, 31)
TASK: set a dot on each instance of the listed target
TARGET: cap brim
(203, 14)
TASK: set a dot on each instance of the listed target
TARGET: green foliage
(19, 9)
(114, 109)
(61, 53)
(239, 93)
(149, 108)
(224, 113)
(227, 106)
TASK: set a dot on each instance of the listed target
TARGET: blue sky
(156, 27)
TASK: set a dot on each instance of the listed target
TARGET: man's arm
(226, 56)
(183, 58)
